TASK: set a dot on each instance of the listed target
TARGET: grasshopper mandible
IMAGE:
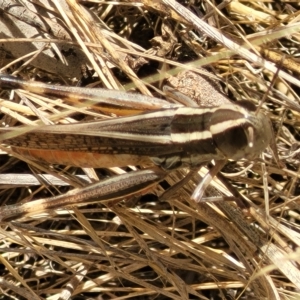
(166, 135)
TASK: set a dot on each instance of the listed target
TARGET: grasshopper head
(240, 133)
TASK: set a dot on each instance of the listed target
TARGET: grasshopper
(151, 131)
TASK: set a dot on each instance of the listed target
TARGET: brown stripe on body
(222, 115)
(82, 159)
(191, 120)
(93, 144)
(156, 123)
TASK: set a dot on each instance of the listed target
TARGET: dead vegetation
(144, 248)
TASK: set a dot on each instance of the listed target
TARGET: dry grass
(144, 248)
